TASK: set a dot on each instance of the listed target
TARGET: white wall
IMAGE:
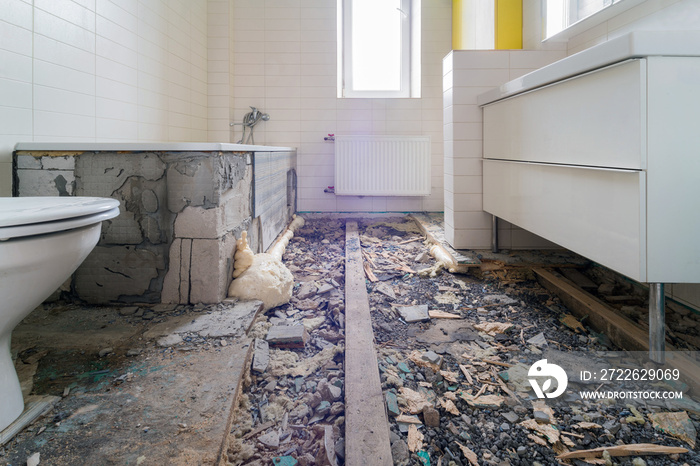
(284, 62)
(89, 70)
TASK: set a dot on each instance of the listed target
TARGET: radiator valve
(329, 190)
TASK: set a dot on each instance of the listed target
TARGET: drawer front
(597, 213)
(597, 119)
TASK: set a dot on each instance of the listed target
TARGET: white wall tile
(15, 38)
(18, 13)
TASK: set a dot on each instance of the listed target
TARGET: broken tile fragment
(403, 367)
(414, 313)
(385, 289)
(270, 440)
(328, 391)
(499, 299)
(287, 336)
(261, 355)
(538, 340)
(432, 357)
(306, 290)
(325, 288)
(392, 404)
(284, 461)
(541, 417)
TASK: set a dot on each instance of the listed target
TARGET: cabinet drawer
(596, 119)
(598, 213)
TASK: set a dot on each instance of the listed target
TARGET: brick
(287, 336)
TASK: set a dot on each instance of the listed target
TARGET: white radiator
(382, 165)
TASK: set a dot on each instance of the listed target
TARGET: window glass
(560, 14)
(375, 43)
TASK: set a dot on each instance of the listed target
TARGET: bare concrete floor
(138, 385)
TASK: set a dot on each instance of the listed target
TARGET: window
(560, 15)
(375, 48)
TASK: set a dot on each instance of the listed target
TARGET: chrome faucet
(250, 119)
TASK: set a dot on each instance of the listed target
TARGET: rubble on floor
(455, 351)
(456, 385)
(293, 408)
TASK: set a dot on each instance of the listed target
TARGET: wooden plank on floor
(579, 278)
(34, 408)
(621, 331)
(366, 425)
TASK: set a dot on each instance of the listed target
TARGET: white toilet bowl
(42, 241)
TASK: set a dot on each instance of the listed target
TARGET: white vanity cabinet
(605, 163)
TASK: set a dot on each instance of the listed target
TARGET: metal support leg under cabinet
(657, 323)
(494, 234)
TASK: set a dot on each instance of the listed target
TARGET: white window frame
(594, 19)
(346, 88)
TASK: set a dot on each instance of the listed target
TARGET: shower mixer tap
(251, 119)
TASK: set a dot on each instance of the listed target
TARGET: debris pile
(455, 354)
(293, 408)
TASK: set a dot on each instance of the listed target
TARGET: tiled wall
(89, 70)
(284, 62)
(468, 73)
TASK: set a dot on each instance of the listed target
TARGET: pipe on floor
(657, 323)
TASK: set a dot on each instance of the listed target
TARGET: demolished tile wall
(181, 212)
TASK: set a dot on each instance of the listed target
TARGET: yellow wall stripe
(457, 25)
(509, 24)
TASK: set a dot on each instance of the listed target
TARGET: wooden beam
(621, 330)
(366, 425)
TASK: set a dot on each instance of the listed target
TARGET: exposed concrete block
(111, 272)
(190, 183)
(28, 162)
(123, 229)
(140, 196)
(198, 222)
(149, 201)
(210, 269)
(58, 163)
(46, 182)
(171, 283)
(103, 173)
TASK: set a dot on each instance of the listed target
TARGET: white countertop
(633, 45)
(146, 147)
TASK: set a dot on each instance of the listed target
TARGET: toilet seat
(28, 216)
